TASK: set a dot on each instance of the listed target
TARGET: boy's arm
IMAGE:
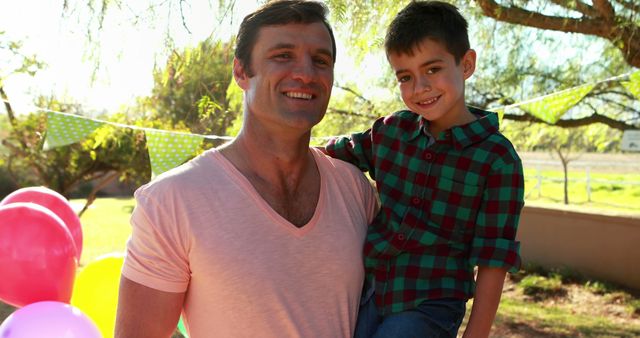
(485, 303)
(495, 249)
(356, 149)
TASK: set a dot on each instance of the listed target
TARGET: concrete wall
(598, 246)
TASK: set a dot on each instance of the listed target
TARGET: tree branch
(356, 94)
(623, 33)
(519, 16)
(573, 123)
(92, 195)
(7, 106)
(605, 9)
(628, 5)
(578, 6)
(351, 113)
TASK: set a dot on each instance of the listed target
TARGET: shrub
(541, 288)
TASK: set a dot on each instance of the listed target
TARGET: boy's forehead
(426, 45)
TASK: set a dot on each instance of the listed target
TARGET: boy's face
(432, 84)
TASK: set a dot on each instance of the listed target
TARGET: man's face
(431, 83)
(292, 67)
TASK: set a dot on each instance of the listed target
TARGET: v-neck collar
(238, 178)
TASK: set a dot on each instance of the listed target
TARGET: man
(263, 236)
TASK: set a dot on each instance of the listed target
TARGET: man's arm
(146, 312)
(485, 303)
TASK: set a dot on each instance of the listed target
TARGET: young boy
(451, 188)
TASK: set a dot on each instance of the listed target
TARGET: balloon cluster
(40, 247)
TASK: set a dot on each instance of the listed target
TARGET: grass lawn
(608, 197)
(106, 229)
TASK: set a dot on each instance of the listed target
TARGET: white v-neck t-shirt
(247, 272)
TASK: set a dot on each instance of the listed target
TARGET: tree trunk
(565, 168)
(92, 195)
(7, 106)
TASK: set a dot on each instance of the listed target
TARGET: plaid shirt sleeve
(494, 244)
(356, 149)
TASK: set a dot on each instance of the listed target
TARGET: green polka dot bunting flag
(168, 150)
(500, 112)
(64, 129)
(550, 108)
(633, 85)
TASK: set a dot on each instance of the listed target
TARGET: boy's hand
(485, 303)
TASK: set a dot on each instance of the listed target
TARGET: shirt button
(415, 201)
(401, 237)
(428, 156)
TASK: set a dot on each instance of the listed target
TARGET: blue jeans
(432, 318)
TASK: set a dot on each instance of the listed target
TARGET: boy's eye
(433, 70)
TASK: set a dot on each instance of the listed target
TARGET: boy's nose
(422, 84)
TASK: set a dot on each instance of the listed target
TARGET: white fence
(586, 167)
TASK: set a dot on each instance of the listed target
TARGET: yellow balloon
(95, 291)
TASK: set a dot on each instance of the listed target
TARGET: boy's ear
(468, 62)
(240, 74)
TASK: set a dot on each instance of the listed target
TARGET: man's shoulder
(193, 173)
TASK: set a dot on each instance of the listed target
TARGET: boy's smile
(432, 84)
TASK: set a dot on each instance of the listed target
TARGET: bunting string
(168, 149)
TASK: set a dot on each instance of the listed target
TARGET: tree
(108, 154)
(617, 21)
(614, 20)
(509, 33)
(192, 88)
(15, 62)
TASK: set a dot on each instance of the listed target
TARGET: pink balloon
(55, 202)
(48, 319)
(37, 255)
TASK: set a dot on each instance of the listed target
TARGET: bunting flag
(550, 108)
(500, 111)
(64, 129)
(633, 85)
(168, 150)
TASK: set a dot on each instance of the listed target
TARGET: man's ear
(240, 74)
(468, 63)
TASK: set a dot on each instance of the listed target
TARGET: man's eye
(283, 56)
(322, 61)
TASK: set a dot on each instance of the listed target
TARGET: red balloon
(55, 202)
(37, 255)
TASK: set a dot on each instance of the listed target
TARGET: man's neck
(283, 171)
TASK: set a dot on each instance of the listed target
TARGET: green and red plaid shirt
(448, 205)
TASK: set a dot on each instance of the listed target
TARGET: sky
(127, 56)
(127, 52)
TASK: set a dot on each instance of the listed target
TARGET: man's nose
(304, 70)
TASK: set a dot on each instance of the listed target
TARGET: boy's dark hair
(421, 20)
(278, 13)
